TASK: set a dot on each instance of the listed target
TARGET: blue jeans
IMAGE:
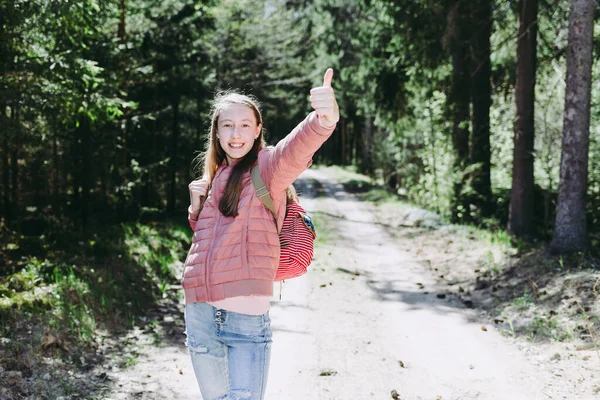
(230, 351)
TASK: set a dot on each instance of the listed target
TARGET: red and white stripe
(297, 244)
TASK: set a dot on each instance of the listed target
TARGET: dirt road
(367, 319)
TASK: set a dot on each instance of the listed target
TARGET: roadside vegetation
(69, 291)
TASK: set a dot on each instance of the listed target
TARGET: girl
(228, 273)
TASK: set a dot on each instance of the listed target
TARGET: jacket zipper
(206, 281)
(208, 258)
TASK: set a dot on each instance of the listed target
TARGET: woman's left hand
(322, 99)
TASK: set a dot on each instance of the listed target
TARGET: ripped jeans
(230, 351)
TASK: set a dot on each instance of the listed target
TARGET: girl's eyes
(231, 125)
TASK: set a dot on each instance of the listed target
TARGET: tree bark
(520, 219)
(56, 188)
(122, 14)
(173, 158)
(121, 33)
(570, 231)
(14, 161)
(355, 142)
(344, 156)
(86, 170)
(460, 96)
(481, 97)
(5, 163)
(367, 154)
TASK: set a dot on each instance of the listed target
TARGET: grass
(346, 174)
(523, 302)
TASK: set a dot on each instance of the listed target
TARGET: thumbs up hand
(322, 99)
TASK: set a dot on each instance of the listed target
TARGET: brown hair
(211, 159)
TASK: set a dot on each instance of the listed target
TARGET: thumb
(327, 78)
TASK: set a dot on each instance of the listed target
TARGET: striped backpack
(297, 234)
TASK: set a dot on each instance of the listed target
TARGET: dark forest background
(455, 105)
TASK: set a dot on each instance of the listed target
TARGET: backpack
(297, 234)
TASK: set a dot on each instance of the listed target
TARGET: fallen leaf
(50, 338)
(400, 363)
(483, 328)
(395, 395)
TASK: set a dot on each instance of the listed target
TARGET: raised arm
(293, 154)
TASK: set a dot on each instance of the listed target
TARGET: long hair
(214, 155)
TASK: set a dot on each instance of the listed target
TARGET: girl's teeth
(237, 146)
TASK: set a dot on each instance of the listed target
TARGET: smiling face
(237, 131)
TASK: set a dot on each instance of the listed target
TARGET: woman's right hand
(198, 192)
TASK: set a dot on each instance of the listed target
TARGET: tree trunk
(355, 140)
(520, 219)
(86, 173)
(199, 128)
(122, 41)
(122, 14)
(459, 96)
(344, 144)
(433, 153)
(570, 231)
(173, 158)
(55, 171)
(481, 100)
(76, 171)
(367, 161)
(14, 161)
(338, 149)
(5, 163)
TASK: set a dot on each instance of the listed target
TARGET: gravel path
(366, 320)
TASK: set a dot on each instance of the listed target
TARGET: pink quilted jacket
(238, 256)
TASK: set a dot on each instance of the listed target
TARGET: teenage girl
(228, 273)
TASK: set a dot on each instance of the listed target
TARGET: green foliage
(107, 281)
(111, 120)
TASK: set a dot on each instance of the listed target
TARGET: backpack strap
(263, 192)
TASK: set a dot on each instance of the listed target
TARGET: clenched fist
(322, 99)
(198, 192)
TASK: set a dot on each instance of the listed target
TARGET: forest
(453, 105)
(484, 112)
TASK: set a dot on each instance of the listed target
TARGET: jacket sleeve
(192, 218)
(293, 154)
